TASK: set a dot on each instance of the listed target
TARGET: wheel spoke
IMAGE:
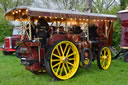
(103, 63)
(68, 51)
(62, 50)
(65, 48)
(71, 54)
(70, 63)
(56, 55)
(61, 69)
(101, 57)
(58, 51)
(54, 60)
(68, 67)
(104, 52)
(101, 60)
(56, 64)
(101, 54)
(107, 59)
(71, 59)
(58, 69)
(65, 69)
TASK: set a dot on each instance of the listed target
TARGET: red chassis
(29, 51)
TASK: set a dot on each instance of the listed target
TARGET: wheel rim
(64, 60)
(105, 58)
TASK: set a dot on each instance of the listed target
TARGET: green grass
(12, 73)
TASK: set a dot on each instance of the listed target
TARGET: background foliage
(5, 27)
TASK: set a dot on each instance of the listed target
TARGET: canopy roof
(123, 11)
(24, 12)
(123, 14)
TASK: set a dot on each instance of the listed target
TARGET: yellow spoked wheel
(104, 58)
(63, 61)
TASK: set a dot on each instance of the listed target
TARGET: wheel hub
(104, 57)
(65, 60)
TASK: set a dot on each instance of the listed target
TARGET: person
(33, 28)
(42, 31)
(92, 28)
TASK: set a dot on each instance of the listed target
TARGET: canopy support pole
(87, 30)
(66, 26)
(22, 36)
(30, 35)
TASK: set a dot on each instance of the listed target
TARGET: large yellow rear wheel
(63, 60)
(104, 58)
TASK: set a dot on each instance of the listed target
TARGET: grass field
(12, 73)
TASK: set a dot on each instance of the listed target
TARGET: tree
(75, 5)
(122, 4)
(5, 27)
(89, 6)
(7, 4)
(97, 6)
(100, 6)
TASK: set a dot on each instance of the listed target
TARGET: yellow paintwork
(64, 60)
(86, 62)
(105, 58)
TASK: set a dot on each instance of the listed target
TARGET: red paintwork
(33, 55)
(8, 49)
(54, 38)
(7, 42)
(124, 34)
(124, 29)
(30, 44)
(73, 37)
(14, 39)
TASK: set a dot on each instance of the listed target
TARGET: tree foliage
(98, 6)
(116, 34)
(5, 27)
(76, 5)
(122, 4)
(7, 4)
(101, 6)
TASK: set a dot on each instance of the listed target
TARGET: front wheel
(104, 58)
(62, 60)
